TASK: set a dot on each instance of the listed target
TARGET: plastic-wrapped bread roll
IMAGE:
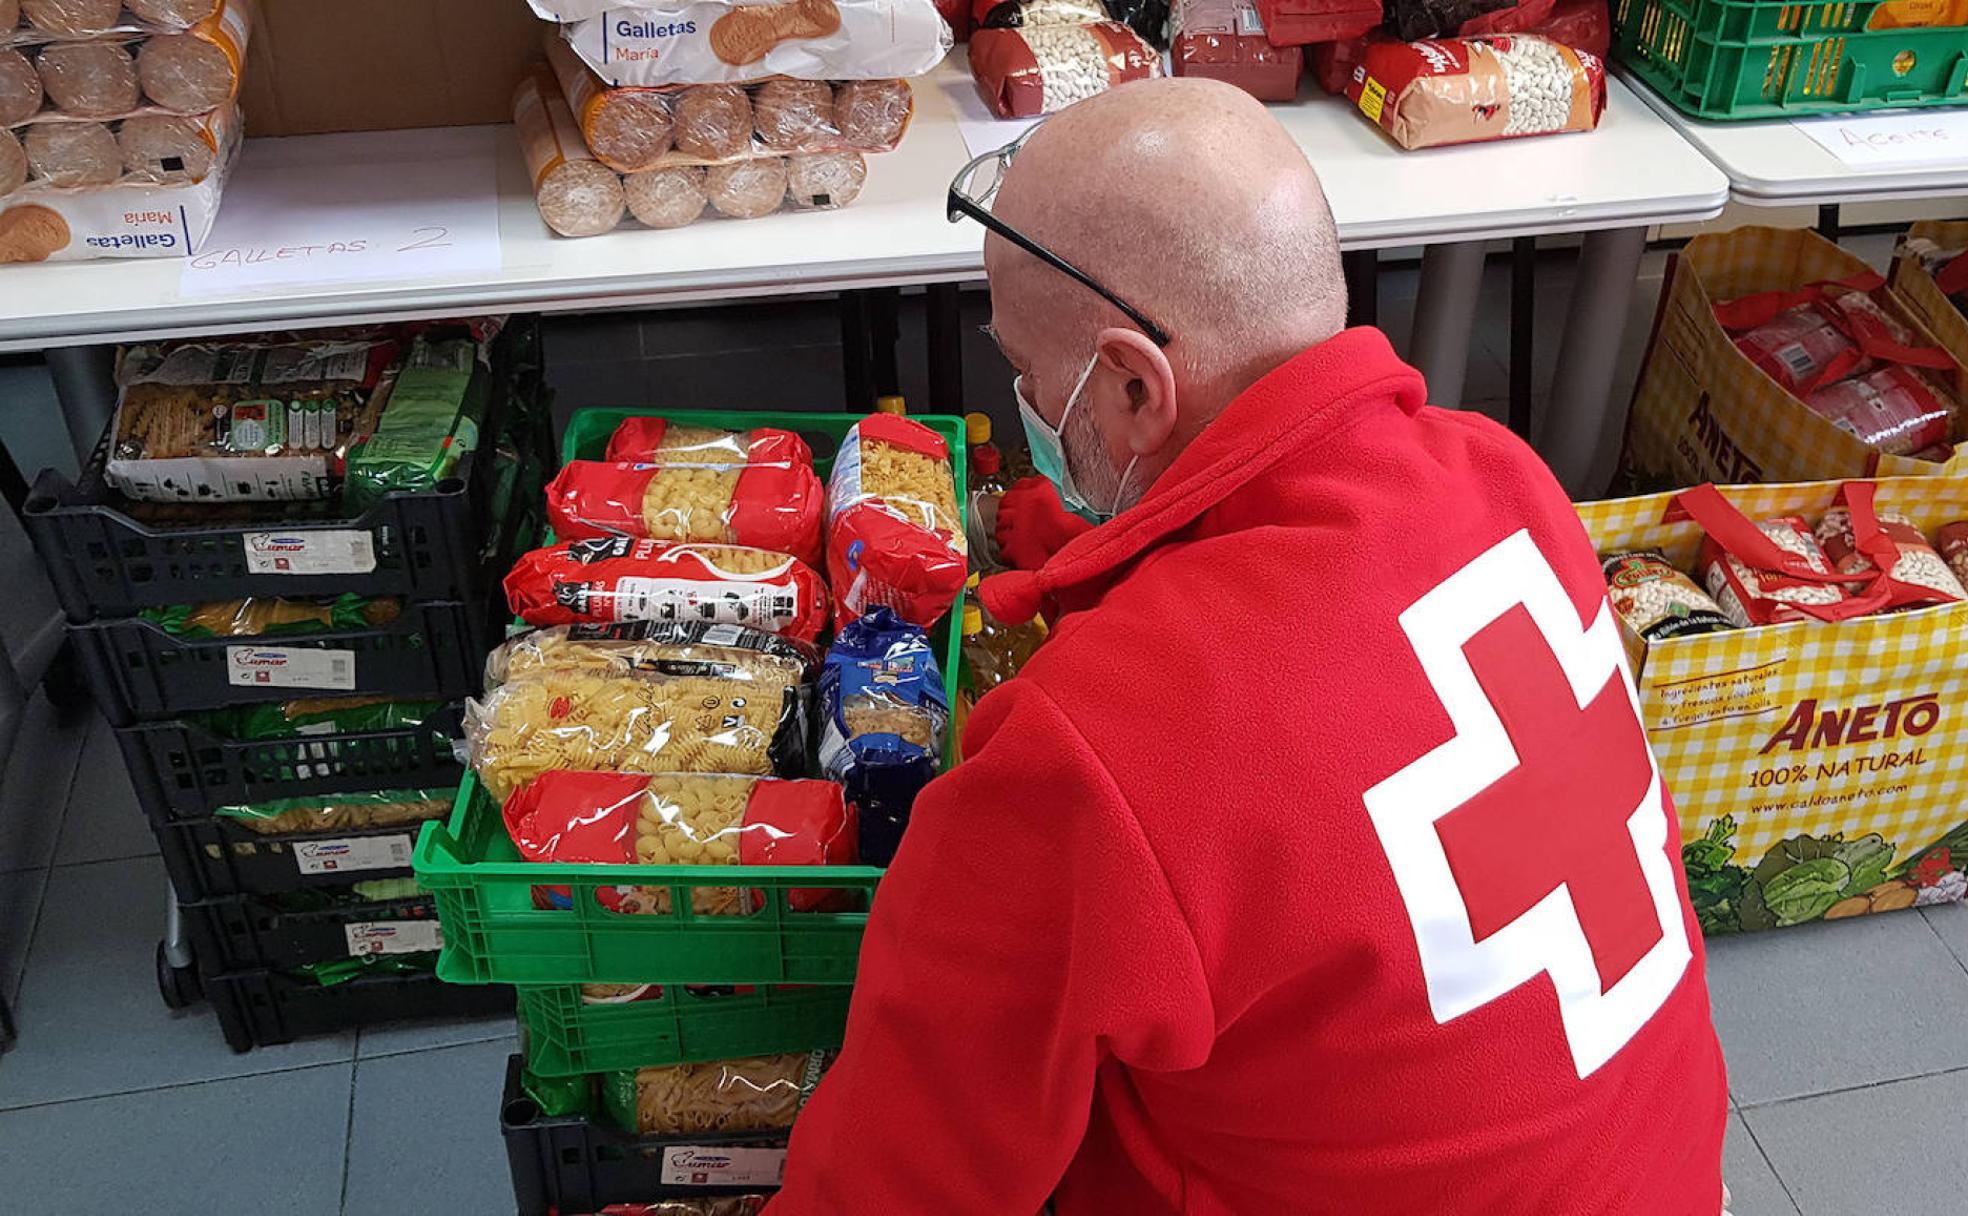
(20, 87)
(795, 115)
(714, 121)
(577, 194)
(168, 149)
(747, 189)
(666, 198)
(825, 179)
(627, 129)
(872, 114)
(72, 18)
(13, 163)
(70, 154)
(187, 72)
(176, 14)
(89, 79)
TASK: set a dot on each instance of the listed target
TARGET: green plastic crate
(566, 1036)
(1747, 59)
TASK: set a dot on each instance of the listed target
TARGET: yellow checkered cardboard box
(1703, 412)
(1915, 288)
(1820, 770)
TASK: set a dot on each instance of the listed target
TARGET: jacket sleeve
(1024, 934)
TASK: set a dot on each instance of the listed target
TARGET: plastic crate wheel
(179, 986)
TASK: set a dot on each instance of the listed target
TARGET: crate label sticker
(337, 551)
(290, 667)
(722, 1165)
(366, 937)
(352, 853)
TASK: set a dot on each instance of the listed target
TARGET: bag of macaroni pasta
(316, 716)
(622, 579)
(774, 505)
(640, 697)
(340, 812)
(652, 440)
(756, 1094)
(259, 616)
(883, 712)
(894, 534)
(686, 819)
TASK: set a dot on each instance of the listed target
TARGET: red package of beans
(763, 506)
(1770, 593)
(1298, 22)
(1226, 40)
(660, 441)
(1582, 25)
(1034, 70)
(1823, 333)
(622, 578)
(1858, 544)
(1952, 542)
(697, 819)
(894, 535)
(1466, 90)
(1896, 409)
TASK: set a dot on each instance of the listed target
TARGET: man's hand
(1033, 524)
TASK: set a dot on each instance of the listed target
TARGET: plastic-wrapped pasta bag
(317, 716)
(757, 1094)
(883, 713)
(894, 534)
(1918, 577)
(641, 697)
(775, 506)
(680, 819)
(262, 617)
(340, 812)
(430, 423)
(621, 579)
(653, 440)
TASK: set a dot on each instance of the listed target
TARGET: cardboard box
(372, 65)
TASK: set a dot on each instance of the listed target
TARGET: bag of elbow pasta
(773, 506)
(894, 534)
(623, 579)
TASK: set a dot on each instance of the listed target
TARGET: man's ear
(1149, 380)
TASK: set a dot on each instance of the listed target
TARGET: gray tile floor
(1847, 1043)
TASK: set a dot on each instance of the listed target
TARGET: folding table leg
(1579, 411)
(943, 314)
(1445, 314)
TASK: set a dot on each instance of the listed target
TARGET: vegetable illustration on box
(1805, 878)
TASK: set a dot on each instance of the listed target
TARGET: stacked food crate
(277, 572)
(675, 1016)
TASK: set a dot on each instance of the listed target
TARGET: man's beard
(1095, 476)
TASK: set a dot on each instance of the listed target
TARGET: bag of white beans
(1025, 72)
(1918, 578)
(1464, 90)
(1749, 597)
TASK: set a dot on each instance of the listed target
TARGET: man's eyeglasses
(976, 188)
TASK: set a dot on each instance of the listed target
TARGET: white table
(1773, 164)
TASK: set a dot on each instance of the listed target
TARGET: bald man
(1317, 863)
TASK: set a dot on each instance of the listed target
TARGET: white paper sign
(334, 551)
(360, 212)
(366, 937)
(290, 667)
(1901, 137)
(722, 1165)
(341, 856)
(982, 131)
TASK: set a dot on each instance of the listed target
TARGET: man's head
(1186, 199)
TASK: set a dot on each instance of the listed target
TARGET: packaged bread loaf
(1917, 575)
(681, 819)
(894, 534)
(883, 710)
(640, 697)
(775, 505)
(622, 579)
(720, 42)
(20, 87)
(1026, 72)
(764, 1093)
(217, 421)
(1465, 90)
(577, 194)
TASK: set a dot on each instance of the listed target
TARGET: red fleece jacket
(1316, 864)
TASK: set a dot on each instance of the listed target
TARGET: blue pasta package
(883, 713)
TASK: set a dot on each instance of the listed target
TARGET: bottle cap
(891, 405)
(977, 428)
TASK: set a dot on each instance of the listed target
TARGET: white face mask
(1050, 458)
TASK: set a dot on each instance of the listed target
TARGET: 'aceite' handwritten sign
(285, 225)
(1898, 138)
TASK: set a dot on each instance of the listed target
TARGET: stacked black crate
(268, 914)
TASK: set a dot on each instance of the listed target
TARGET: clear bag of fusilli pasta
(641, 697)
(894, 533)
(755, 1094)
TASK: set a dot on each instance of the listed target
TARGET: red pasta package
(763, 506)
(660, 441)
(894, 535)
(621, 578)
(687, 819)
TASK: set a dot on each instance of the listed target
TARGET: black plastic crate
(262, 1008)
(138, 671)
(568, 1164)
(214, 857)
(182, 771)
(253, 932)
(425, 544)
